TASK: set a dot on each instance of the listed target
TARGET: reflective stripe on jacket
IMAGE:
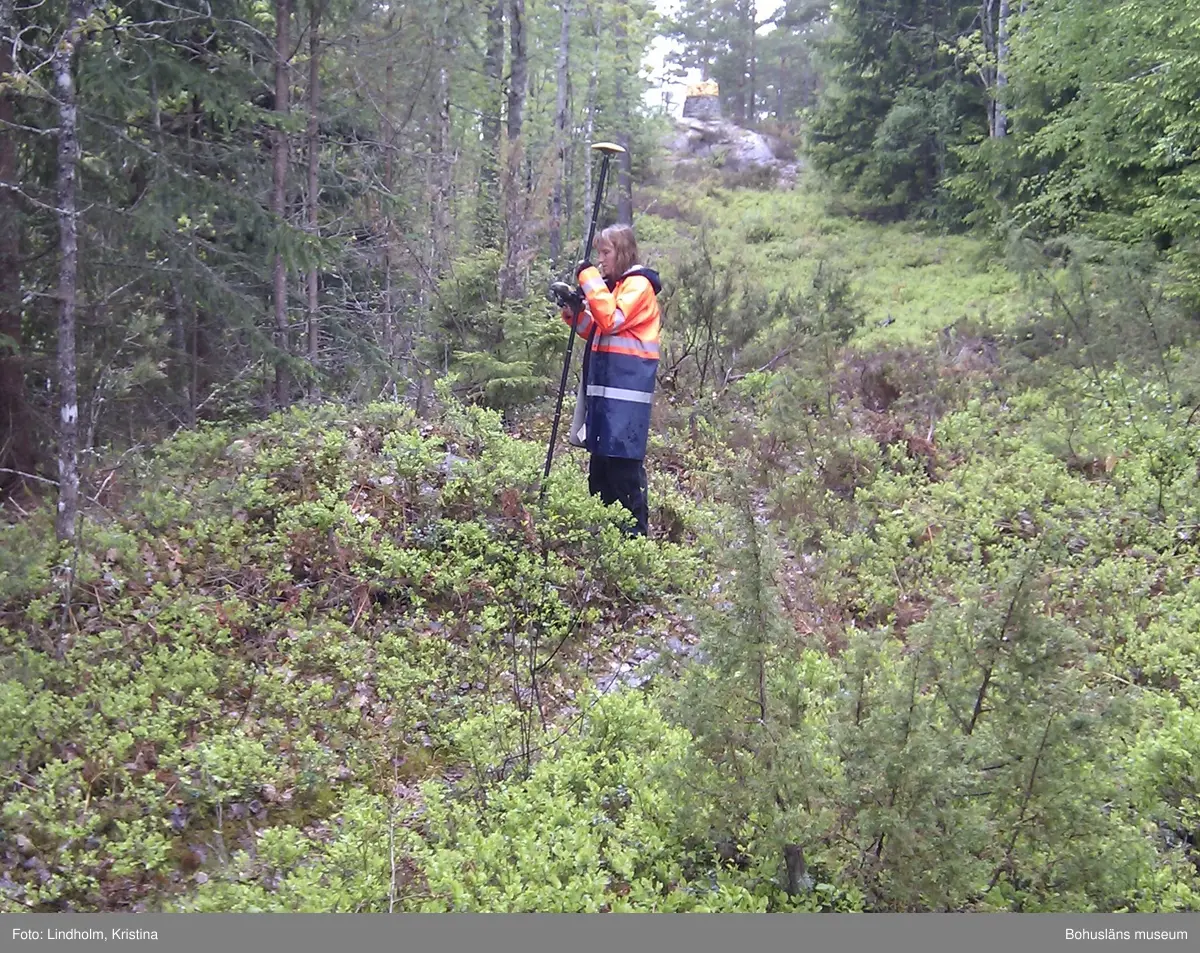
(621, 323)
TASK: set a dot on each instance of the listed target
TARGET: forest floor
(344, 660)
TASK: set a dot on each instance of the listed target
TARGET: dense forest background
(284, 621)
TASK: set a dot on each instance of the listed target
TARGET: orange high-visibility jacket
(621, 324)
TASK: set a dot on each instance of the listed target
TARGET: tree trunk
(514, 226)
(439, 180)
(185, 335)
(624, 180)
(589, 133)
(279, 201)
(519, 65)
(569, 190)
(489, 174)
(387, 134)
(68, 245)
(194, 381)
(191, 351)
(590, 122)
(779, 88)
(443, 160)
(752, 65)
(1000, 129)
(16, 438)
(987, 72)
(560, 134)
(740, 54)
(624, 159)
(314, 159)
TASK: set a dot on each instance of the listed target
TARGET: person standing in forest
(618, 314)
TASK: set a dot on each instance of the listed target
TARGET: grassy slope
(917, 280)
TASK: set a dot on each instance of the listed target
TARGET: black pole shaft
(562, 387)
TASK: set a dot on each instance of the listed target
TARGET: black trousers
(617, 480)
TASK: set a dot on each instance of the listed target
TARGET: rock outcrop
(703, 102)
(704, 139)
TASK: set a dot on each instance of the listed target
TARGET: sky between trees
(665, 91)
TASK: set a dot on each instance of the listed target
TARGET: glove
(582, 265)
(568, 298)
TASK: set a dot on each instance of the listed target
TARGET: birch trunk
(1000, 128)
(68, 245)
(987, 73)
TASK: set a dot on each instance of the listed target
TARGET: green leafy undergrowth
(592, 828)
(985, 757)
(1020, 588)
(1109, 499)
(333, 601)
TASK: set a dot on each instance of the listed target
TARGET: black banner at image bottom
(596, 933)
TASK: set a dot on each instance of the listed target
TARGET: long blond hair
(624, 247)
